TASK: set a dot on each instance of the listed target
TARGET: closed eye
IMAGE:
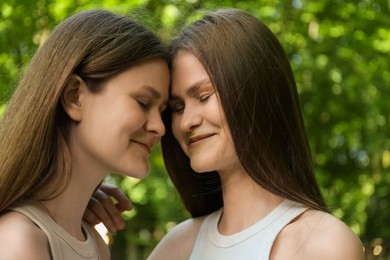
(144, 105)
(177, 108)
(205, 97)
(163, 107)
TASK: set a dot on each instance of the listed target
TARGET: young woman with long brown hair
(89, 104)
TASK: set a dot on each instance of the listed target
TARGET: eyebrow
(154, 93)
(193, 89)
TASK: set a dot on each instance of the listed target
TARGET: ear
(71, 97)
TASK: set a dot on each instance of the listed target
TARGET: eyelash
(143, 105)
(177, 109)
(204, 98)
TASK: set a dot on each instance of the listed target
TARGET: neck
(245, 202)
(68, 208)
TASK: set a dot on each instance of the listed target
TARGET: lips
(146, 147)
(197, 139)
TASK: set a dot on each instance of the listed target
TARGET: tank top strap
(286, 212)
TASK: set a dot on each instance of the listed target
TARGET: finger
(121, 207)
(110, 209)
(90, 217)
(101, 213)
(116, 193)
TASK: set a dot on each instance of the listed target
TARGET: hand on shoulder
(178, 243)
(20, 238)
(317, 235)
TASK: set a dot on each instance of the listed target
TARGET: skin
(113, 130)
(102, 209)
(200, 127)
(198, 123)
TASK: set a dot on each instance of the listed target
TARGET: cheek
(176, 127)
(178, 134)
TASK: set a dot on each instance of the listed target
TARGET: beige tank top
(63, 246)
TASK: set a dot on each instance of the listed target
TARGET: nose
(155, 124)
(190, 119)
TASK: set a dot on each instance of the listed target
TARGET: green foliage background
(339, 51)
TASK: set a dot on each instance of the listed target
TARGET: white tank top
(254, 242)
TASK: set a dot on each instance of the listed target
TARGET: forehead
(151, 76)
(186, 71)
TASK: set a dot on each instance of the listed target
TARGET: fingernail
(121, 226)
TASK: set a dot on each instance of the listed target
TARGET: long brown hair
(255, 83)
(96, 45)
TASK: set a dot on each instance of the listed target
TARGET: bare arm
(317, 235)
(20, 238)
(178, 243)
(338, 242)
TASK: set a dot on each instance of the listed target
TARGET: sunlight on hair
(103, 232)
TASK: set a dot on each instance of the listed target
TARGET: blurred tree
(339, 51)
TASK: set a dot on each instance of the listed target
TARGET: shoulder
(20, 238)
(317, 235)
(183, 234)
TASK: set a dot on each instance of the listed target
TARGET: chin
(200, 167)
(137, 172)
(137, 175)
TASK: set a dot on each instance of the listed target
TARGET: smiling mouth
(198, 139)
(144, 146)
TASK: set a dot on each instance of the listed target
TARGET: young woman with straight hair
(89, 104)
